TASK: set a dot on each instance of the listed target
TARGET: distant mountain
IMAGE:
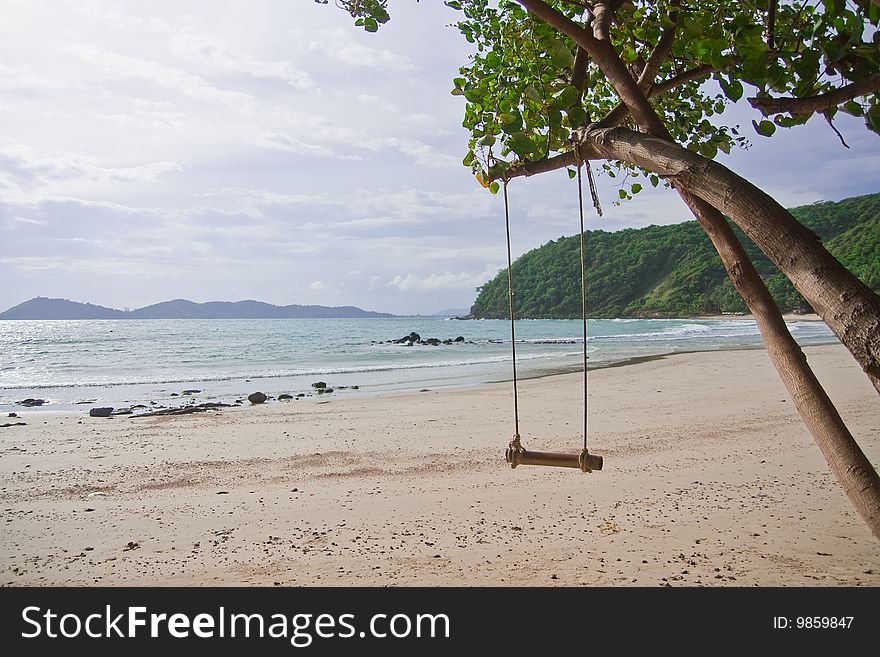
(45, 308)
(452, 312)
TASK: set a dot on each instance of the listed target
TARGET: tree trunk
(849, 307)
(853, 470)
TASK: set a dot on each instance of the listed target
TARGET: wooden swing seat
(516, 455)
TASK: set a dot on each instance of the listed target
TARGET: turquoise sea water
(129, 361)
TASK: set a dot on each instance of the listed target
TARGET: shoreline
(710, 479)
(156, 402)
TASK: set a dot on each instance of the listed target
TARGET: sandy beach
(710, 479)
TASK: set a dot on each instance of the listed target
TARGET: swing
(516, 454)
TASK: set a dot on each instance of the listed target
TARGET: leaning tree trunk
(849, 307)
(853, 470)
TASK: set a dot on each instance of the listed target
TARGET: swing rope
(584, 286)
(512, 322)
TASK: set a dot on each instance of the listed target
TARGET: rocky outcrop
(257, 398)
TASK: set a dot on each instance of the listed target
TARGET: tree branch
(607, 59)
(613, 119)
(618, 115)
(658, 54)
(579, 69)
(602, 14)
(820, 103)
(771, 24)
(682, 78)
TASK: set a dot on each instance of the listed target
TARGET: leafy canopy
(526, 90)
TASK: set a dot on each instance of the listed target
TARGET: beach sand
(710, 479)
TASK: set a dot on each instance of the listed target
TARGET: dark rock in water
(31, 402)
(186, 410)
(432, 341)
(257, 398)
(174, 394)
(319, 384)
(86, 401)
(355, 387)
(101, 411)
(447, 341)
(408, 340)
(138, 407)
(284, 397)
(302, 394)
(328, 390)
(460, 338)
(13, 415)
(6, 425)
(190, 392)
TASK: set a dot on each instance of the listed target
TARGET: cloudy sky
(270, 150)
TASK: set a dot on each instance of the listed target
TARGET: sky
(270, 150)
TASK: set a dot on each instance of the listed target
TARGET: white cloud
(211, 50)
(340, 45)
(27, 168)
(445, 281)
(137, 68)
(283, 142)
(377, 101)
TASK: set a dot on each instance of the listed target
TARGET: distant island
(672, 270)
(45, 308)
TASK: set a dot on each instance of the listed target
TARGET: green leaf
(622, 193)
(635, 188)
(571, 173)
(854, 108)
(532, 93)
(520, 144)
(872, 118)
(371, 24)
(765, 128)
(494, 187)
(654, 180)
(560, 55)
(732, 89)
(568, 96)
(576, 116)
(510, 122)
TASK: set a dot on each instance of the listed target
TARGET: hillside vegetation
(666, 271)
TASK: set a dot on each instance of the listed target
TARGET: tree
(555, 83)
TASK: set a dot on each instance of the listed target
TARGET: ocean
(123, 362)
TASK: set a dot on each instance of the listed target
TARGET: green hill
(672, 270)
